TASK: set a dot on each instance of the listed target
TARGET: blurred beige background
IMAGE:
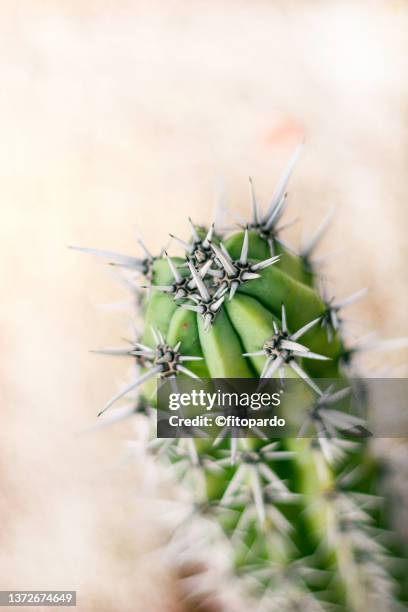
(123, 115)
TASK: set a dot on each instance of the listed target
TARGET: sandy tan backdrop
(123, 115)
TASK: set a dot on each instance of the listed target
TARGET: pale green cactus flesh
(303, 516)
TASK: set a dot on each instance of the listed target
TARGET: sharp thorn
(352, 299)
(130, 387)
(300, 372)
(226, 263)
(208, 238)
(204, 293)
(188, 247)
(174, 271)
(244, 251)
(112, 257)
(233, 290)
(284, 322)
(196, 237)
(318, 235)
(215, 306)
(186, 371)
(267, 262)
(300, 332)
(250, 276)
(254, 203)
(282, 184)
(144, 247)
(276, 213)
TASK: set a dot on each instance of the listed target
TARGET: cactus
(301, 518)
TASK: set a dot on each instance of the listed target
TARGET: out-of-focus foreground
(123, 115)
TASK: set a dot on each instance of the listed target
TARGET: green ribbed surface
(243, 325)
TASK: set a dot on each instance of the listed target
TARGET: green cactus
(302, 516)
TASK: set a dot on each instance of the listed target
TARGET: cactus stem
(234, 487)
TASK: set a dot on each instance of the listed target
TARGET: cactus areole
(301, 515)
